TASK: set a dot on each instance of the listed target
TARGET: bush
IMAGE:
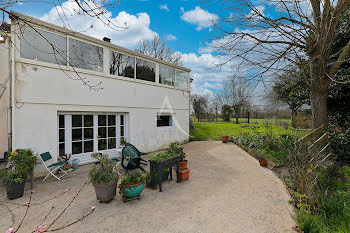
(105, 171)
(23, 160)
(339, 136)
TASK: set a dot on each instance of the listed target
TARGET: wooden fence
(317, 145)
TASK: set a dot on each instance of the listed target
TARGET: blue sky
(184, 25)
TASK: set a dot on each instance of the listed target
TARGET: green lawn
(214, 130)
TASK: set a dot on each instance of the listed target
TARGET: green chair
(133, 155)
(52, 167)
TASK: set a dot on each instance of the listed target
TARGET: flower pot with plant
(184, 174)
(224, 139)
(122, 142)
(176, 147)
(132, 185)
(104, 177)
(22, 163)
(14, 181)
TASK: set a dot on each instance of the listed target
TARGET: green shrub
(310, 223)
(105, 171)
(339, 136)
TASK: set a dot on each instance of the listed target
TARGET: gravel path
(227, 192)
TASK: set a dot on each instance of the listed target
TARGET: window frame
(165, 127)
(68, 132)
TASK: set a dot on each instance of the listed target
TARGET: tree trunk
(318, 92)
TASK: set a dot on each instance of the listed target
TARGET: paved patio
(227, 192)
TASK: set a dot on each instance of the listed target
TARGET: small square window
(164, 121)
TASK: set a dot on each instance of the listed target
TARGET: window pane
(121, 65)
(34, 46)
(102, 144)
(88, 121)
(102, 120)
(77, 134)
(111, 143)
(164, 120)
(182, 79)
(85, 56)
(121, 131)
(61, 121)
(111, 132)
(61, 149)
(76, 121)
(102, 132)
(166, 75)
(111, 120)
(145, 70)
(121, 119)
(88, 146)
(77, 147)
(61, 135)
(88, 133)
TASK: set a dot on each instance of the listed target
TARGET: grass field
(214, 130)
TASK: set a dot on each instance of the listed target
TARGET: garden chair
(52, 167)
(133, 155)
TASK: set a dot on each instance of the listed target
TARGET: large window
(145, 70)
(85, 56)
(182, 79)
(121, 65)
(166, 75)
(164, 120)
(86, 133)
(42, 46)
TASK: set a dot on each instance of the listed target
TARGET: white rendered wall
(4, 101)
(41, 92)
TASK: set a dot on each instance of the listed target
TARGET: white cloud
(256, 12)
(20, 3)
(138, 25)
(170, 37)
(164, 7)
(199, 17)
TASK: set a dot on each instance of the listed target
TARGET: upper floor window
(85, 56)
(43, 46)
(121, 65)
(166, 75)
(182, 79)
(145, 70)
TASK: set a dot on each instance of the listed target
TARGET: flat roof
(44, 24)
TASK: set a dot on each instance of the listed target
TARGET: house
(69, 93)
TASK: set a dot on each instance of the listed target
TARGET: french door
(81, 134)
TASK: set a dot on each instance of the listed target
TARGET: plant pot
(122, 145)
(224, 139)
(132, 191)
(107, 191)
(184, 175)
(183, 164)
(15, 190)
(263, 162)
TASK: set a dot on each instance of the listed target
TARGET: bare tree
(236, 93)
(158, 49)
(294, 31)
(199, 105)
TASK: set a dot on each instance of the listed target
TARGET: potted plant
(104, 177)
(224, 139)
(22, 163)
(122, 142)
(184, 174)
(14, 181)
(132, 185)
(176, 147)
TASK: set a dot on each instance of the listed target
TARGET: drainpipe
(12, 106)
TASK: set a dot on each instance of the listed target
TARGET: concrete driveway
(227, 192)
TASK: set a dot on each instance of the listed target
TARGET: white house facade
(68, 93)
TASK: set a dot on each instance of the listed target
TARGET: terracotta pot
(263, 162)
(183, 164)
(184, 175)
(15, 190)
(224, 139)
(106, 192)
